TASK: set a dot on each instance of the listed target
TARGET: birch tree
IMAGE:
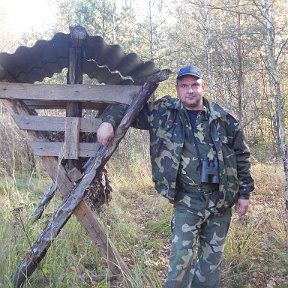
(266, 9)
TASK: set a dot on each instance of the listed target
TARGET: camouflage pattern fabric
(194, 224)
(190, 168)
(200, 218)
(164, 120)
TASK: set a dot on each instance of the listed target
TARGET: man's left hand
(242, 206)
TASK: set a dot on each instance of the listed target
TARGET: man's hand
(105, 133)
(242, 206)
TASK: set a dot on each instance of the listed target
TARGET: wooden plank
(74, 175)
(57, 149)
(72, 135)
(54, 123)
(46, 104)
(65, 92)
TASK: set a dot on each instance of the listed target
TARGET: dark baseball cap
(189, 70)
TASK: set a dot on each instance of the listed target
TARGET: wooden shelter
(73, 162)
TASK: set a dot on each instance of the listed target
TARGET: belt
(203, 188)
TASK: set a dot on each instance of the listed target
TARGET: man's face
(190, 91)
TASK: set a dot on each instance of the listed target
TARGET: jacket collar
(173, 103)
(215, 111)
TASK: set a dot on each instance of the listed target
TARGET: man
(200, 162)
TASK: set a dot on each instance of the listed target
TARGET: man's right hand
(105, 133)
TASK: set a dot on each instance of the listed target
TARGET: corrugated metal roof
(107, 63)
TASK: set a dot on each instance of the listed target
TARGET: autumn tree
(272, 58)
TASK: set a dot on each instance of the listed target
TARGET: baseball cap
(189, 70)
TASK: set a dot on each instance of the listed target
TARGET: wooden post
(75, 76)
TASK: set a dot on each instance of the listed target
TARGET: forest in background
(241, 46)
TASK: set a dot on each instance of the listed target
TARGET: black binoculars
(210, 171)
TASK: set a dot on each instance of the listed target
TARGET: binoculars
(209, 171)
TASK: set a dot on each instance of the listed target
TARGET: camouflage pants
(194, 224)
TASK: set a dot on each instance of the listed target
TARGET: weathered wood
(74, 109)
(57, 149)
(54, 123)
(47, 104)
(78, 35)
(75, 76)
(88, 220)
(74, 175)
(67, 93)
(72, 135)
(101, 240)
(66, 209)
(46, 198)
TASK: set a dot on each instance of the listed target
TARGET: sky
(22, 16)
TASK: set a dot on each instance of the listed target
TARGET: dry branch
(46, 198)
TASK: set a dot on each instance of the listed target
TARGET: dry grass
(14, 153)
(256, 249)
(138, 222)
(257, 242)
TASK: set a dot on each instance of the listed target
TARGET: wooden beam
(57, 149)
(65, 92)
(43, 104)
(74, 175)
(74, 109)
(54, 123)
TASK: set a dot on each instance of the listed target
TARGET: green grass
(137, 221)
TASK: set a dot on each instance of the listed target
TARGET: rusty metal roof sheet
(107, 63)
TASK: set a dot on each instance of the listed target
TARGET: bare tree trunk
(114, 22)
(151, 39)
(240, 66)
(205, 14)
(265, 9)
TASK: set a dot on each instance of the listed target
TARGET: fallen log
(64, 212)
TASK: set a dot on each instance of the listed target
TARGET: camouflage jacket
(164, 120)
